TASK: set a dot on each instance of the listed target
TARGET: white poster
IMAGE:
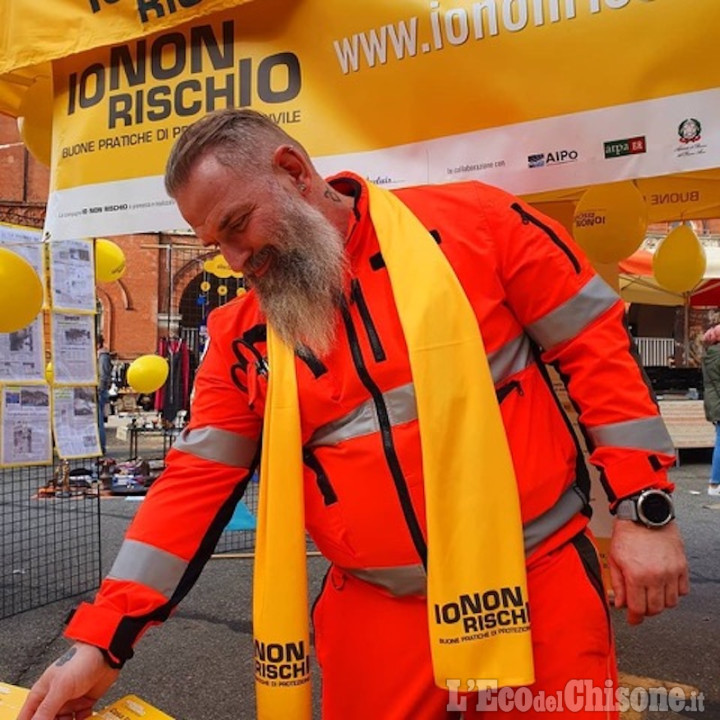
(72, 275)
(26, 438)
(73, 349)
(26, 242)
(75, 422)
(22, 354)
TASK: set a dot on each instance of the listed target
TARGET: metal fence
(49, 535)
(656, 352)
(50, 532)
(236, 540)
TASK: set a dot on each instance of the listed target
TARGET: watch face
(656, 508)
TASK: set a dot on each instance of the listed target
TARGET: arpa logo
(625, 146)
(558, 157)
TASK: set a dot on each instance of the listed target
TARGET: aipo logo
(558, 157)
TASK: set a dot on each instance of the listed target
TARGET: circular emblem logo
(689, 130)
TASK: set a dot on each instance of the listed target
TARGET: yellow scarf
(477, 589)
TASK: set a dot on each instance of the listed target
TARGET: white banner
(639, 140)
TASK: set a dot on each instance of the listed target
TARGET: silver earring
(302, 187)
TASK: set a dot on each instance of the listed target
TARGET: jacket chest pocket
(324, 517)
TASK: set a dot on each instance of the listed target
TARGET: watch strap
(627, 509)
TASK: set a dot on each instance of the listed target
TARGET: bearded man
(392, 355)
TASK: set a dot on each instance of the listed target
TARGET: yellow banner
(400, 73)
(532, 95)
(36, 31)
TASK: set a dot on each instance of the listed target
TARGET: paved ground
(198, 667)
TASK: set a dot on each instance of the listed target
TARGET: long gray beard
(301, 289)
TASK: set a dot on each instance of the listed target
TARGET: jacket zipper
(260, 362)
(323, 482)
(373, 338)
(505, 390)
(582, 475)
(386, 433)
(529, 218)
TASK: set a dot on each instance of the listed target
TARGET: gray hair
(238, 138)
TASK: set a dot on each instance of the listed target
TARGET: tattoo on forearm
(66, 657)
(330, 194)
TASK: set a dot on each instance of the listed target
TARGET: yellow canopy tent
(13, 86)
(675, 196)
(637, 284)
(34, 33)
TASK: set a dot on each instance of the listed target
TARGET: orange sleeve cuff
(95, 625)
(632, 475)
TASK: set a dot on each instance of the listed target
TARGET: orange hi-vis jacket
(537, 302)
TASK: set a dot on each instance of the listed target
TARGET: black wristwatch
(651, 508)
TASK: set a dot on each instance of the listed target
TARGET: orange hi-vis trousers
(374, 653)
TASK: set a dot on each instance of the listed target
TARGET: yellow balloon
(35, 121)
(679, 262)
(610, 221)
(49, 373)
(21, 292)
(147, 373)
(221, 268)
(222, 290)
(204, 286)
(109, 261)
(240, 291)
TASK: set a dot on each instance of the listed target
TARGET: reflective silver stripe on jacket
(363, 420)
(411, 580)
(574, 315)
(568, 505)
(511, 358)
(142, 563)
(401, 580)
(643, 434)
(217, 445)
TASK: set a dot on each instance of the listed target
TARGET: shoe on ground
(714, 489)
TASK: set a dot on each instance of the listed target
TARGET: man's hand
(70, 686)
(648, 568)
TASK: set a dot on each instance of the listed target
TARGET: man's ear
(290, 160)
